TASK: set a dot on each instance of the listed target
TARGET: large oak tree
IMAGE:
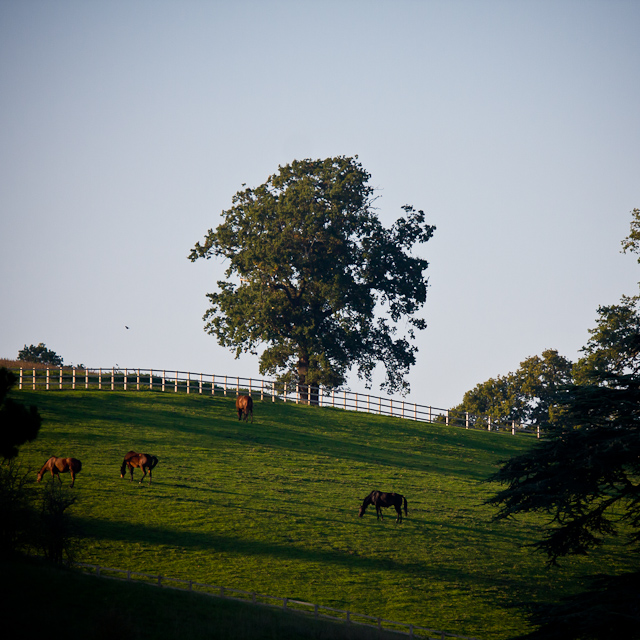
(315, 279)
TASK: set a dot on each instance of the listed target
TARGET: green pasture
(272, 506)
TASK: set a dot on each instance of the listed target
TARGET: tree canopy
(315, 279)
(525, 396)
(39, 353)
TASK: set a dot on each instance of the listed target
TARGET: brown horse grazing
(61, 465)
(144, 461)
(244, 407)
(379, 500)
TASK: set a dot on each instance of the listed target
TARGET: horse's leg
(131, 472)
(144, 473)
(59, 480)
(399, 512)
(149, 475)
(73, 477)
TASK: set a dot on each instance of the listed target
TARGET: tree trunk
(303, 372)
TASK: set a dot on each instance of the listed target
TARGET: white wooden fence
(267, 390)
(288, 604)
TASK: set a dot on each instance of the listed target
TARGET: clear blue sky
(127, 126)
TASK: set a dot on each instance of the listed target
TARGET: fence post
(34, 378)
(176, 383)
(188, 381)
(466, 419)
(159, 581)
(163, 379)
(126, 378)
(138, 381)
(225, 385)
(47, 378)
(201, 384)
(113, 375)
(284, 602)
(513, 427)
(273, 392)
(262, 390)
(447, 417)
(20, 386)
(489, 424)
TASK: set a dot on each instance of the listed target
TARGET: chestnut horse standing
(244, 407)
(144, 461)
(61, 465)
(380, 499)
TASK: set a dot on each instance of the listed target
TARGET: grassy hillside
(272, 506)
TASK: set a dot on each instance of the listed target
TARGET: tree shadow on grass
(214, 543)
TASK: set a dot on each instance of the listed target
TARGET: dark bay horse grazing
(244, 407)
(380, 499)
(144, 461)
(61, 465)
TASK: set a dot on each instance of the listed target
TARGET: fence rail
(287, 604)
(113, 379)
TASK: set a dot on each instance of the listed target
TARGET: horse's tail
(153, 462)
(123, 468)
(78, 466)
(405, 506)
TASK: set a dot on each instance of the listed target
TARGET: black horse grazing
(244, 407)
(144, 461)
(379, 500)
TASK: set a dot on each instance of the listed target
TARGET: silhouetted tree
(18, 424)
(39, 353)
